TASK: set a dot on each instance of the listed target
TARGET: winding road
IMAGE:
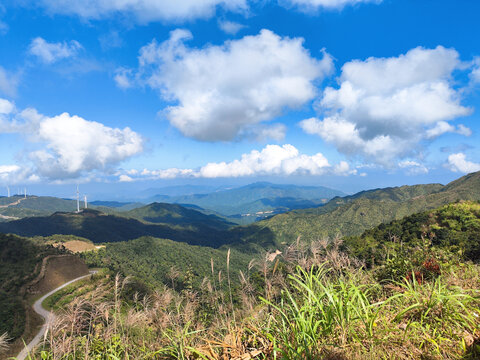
(47, 315)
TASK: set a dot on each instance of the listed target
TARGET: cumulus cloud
(413, 167)
(12, 174)
(230, 27)
(6, 107)
(384, 107)
(443, 127)
(272, 160)
(8, 82)
(459, 163)
(325, 4)
(221, 90)
(53, 52)
(142, 10)
(66, 146)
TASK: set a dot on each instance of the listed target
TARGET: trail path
(13, 204)
(47, 315)
(5, 217)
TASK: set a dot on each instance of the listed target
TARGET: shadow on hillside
(250, 238)
(108, 228)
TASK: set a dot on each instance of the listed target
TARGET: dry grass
(316, 299)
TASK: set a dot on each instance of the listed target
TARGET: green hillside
(455, 227)
(354, 214)
(19, 260)
(174, 214)
(151, 260)
(99, 227)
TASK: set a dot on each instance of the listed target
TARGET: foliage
(316, 303)
(354, 214)
(19, 264)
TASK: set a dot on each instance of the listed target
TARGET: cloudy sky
(351, 94)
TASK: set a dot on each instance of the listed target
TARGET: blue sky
(132, 94)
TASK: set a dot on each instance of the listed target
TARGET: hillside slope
(454, 227)
(174, 214)
(99, 227)
(354, 214)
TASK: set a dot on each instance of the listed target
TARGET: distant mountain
(99, 227)
(178, 190)
(354, 214)
(257, 197)
(116, 205)
(174, 214)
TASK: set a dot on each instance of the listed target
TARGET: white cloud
(14, 174)
(384, 107)
(125, 178)
(66, 146)
(221, 90)
(459, 163)
(325, 4)
(53, 52)
(475, 74)
(272, 160)
(8, 83)
(413, 167)
(343, 169)
(6, 107)
(230, 27)
(142, 10)
(443, 127)
(123, 78)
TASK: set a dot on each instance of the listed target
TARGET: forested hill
(455, 227)
(173, 214)
(100, 227)
(354, 214)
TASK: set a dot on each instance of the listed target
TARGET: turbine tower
(25, 192)
(8, 191)
(85, 199)
(78, 200)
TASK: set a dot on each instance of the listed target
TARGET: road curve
(47, 315)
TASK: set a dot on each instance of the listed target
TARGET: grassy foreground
(310, 302)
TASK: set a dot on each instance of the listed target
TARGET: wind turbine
(85, 199)
(8, 191)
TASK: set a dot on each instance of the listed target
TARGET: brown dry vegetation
(318, 303)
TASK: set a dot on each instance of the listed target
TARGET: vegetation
(19, 264)
(313, 302)
(354, 214)
(99, 227)
(156, 262)
(173, 214)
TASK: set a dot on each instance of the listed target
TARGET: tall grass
(4, 339)
(309, 302)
